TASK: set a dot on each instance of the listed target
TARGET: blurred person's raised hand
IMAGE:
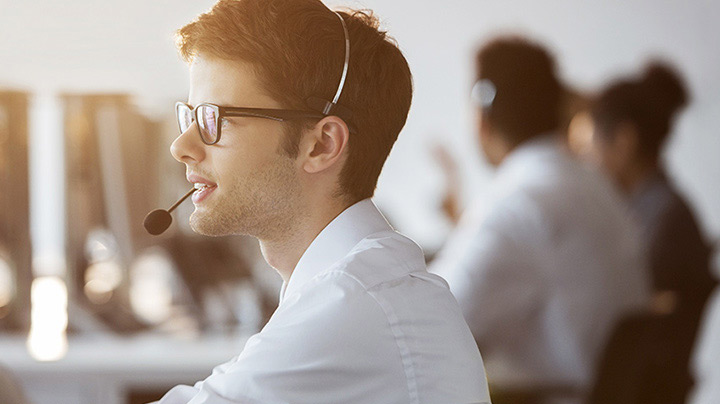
(450, 204)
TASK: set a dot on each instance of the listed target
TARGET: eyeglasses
(209, 117)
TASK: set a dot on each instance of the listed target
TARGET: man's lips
(196, 179)
(204, 187)
(202, 193)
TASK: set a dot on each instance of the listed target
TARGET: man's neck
(637, 176)
(284, 252)
(502, 148)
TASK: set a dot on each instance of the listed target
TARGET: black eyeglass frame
(280, 115)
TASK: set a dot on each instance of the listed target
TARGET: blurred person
(574, 103)
(450, 204)
(544, 268)
(360, 320)
(648, 357)
(632, 122)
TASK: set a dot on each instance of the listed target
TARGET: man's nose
(188, 148)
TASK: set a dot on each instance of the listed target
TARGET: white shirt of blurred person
(546, 265)
(705, 364)
(360, 320)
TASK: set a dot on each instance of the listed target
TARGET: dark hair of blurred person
(525, 84)
(633, 118)
(647, 359)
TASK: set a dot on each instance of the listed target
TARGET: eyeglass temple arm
(271, 113)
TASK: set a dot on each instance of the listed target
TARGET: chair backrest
(646, 361)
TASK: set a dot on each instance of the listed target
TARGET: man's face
(253, 187)
(488, 140)
(615, 152)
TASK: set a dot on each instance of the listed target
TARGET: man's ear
(324, 145)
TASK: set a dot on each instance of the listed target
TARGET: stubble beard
(262, 205)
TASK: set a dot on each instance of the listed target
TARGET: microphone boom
(157, 221)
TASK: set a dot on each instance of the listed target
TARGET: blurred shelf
(106, 369)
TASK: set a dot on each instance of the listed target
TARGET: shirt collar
(335, 241)
(547, 143)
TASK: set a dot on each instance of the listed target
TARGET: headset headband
(332, 107)
(347, 59)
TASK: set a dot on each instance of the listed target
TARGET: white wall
(126, 45)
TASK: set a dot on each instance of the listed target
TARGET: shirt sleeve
(490, 268)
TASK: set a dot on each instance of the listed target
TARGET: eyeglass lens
(184, 116)
(207, 124)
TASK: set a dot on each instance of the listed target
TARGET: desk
(103, 369)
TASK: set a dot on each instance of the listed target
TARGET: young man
(277, 155)
(544, 268)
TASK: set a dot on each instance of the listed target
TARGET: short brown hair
(298, 48)
(529, 93)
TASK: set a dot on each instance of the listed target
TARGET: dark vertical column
(15, 206)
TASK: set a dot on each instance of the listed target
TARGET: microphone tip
(157, 221)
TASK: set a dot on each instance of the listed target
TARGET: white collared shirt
(543, 268)
(360, 321)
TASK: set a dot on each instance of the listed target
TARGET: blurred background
(92, 309)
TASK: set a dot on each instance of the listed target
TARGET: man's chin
(205, 224)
